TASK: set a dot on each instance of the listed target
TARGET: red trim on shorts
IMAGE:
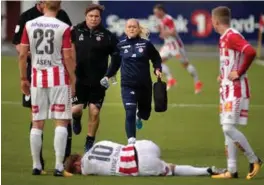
(35, 109)
(127, 158)
(128, 170)
(57, 108)
(56, 76)
(244, 113)
(44, 78)
(34, 79)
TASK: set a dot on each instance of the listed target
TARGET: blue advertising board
(192, 19)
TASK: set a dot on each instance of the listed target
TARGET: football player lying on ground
(140, 159)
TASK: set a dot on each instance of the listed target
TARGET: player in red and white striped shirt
(53, 79)
(141, 159)
(236, 55)
(173, 47)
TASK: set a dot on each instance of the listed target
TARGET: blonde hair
(143, 31)
(223, 14)
(52, 5)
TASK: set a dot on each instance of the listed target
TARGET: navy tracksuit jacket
(136, 80)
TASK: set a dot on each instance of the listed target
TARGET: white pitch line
(260, 62)
(173, 105)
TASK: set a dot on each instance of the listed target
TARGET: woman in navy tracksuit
(136, 83)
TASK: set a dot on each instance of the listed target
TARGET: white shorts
(173, 49)
(51, 103)
(149, 162)
(234, 111)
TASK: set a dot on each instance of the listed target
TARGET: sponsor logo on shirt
(27, 97)
(81, 37)
(127, 46)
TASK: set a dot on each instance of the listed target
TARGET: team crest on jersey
(228, 107)
(140, 50)
(98, 38)
(126, 51)
(81, 37)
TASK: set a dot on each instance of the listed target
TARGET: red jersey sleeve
(24, 38)
(169, 23)
(66, 42)
(237, 42)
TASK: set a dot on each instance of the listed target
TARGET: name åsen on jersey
(44, 62)
(115, 160)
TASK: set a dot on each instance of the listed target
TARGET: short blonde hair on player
(52, 5)
(222, 14)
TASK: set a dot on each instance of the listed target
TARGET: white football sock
(35, 147)
(60, 141)
(191, 69)
(231, 152)
(241, 141)
(166, 71)
(186, 170)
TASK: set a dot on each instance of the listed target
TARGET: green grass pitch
(186, 134)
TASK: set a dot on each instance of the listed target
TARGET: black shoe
(42, 162)
(76, 126)
(36, 171)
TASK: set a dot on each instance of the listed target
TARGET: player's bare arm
(25, 85)
(170, 32)
(74, 55)
(70, 66)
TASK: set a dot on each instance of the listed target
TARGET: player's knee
(94, 111)
(228, 129)
(130, 113)
(63, 123)
(185, 64)
(38, 124)
(77, 109)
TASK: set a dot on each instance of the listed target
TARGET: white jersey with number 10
(109, 158)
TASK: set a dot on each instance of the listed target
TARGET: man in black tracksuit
(93, 45)
(136, 83)
(28, 15)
